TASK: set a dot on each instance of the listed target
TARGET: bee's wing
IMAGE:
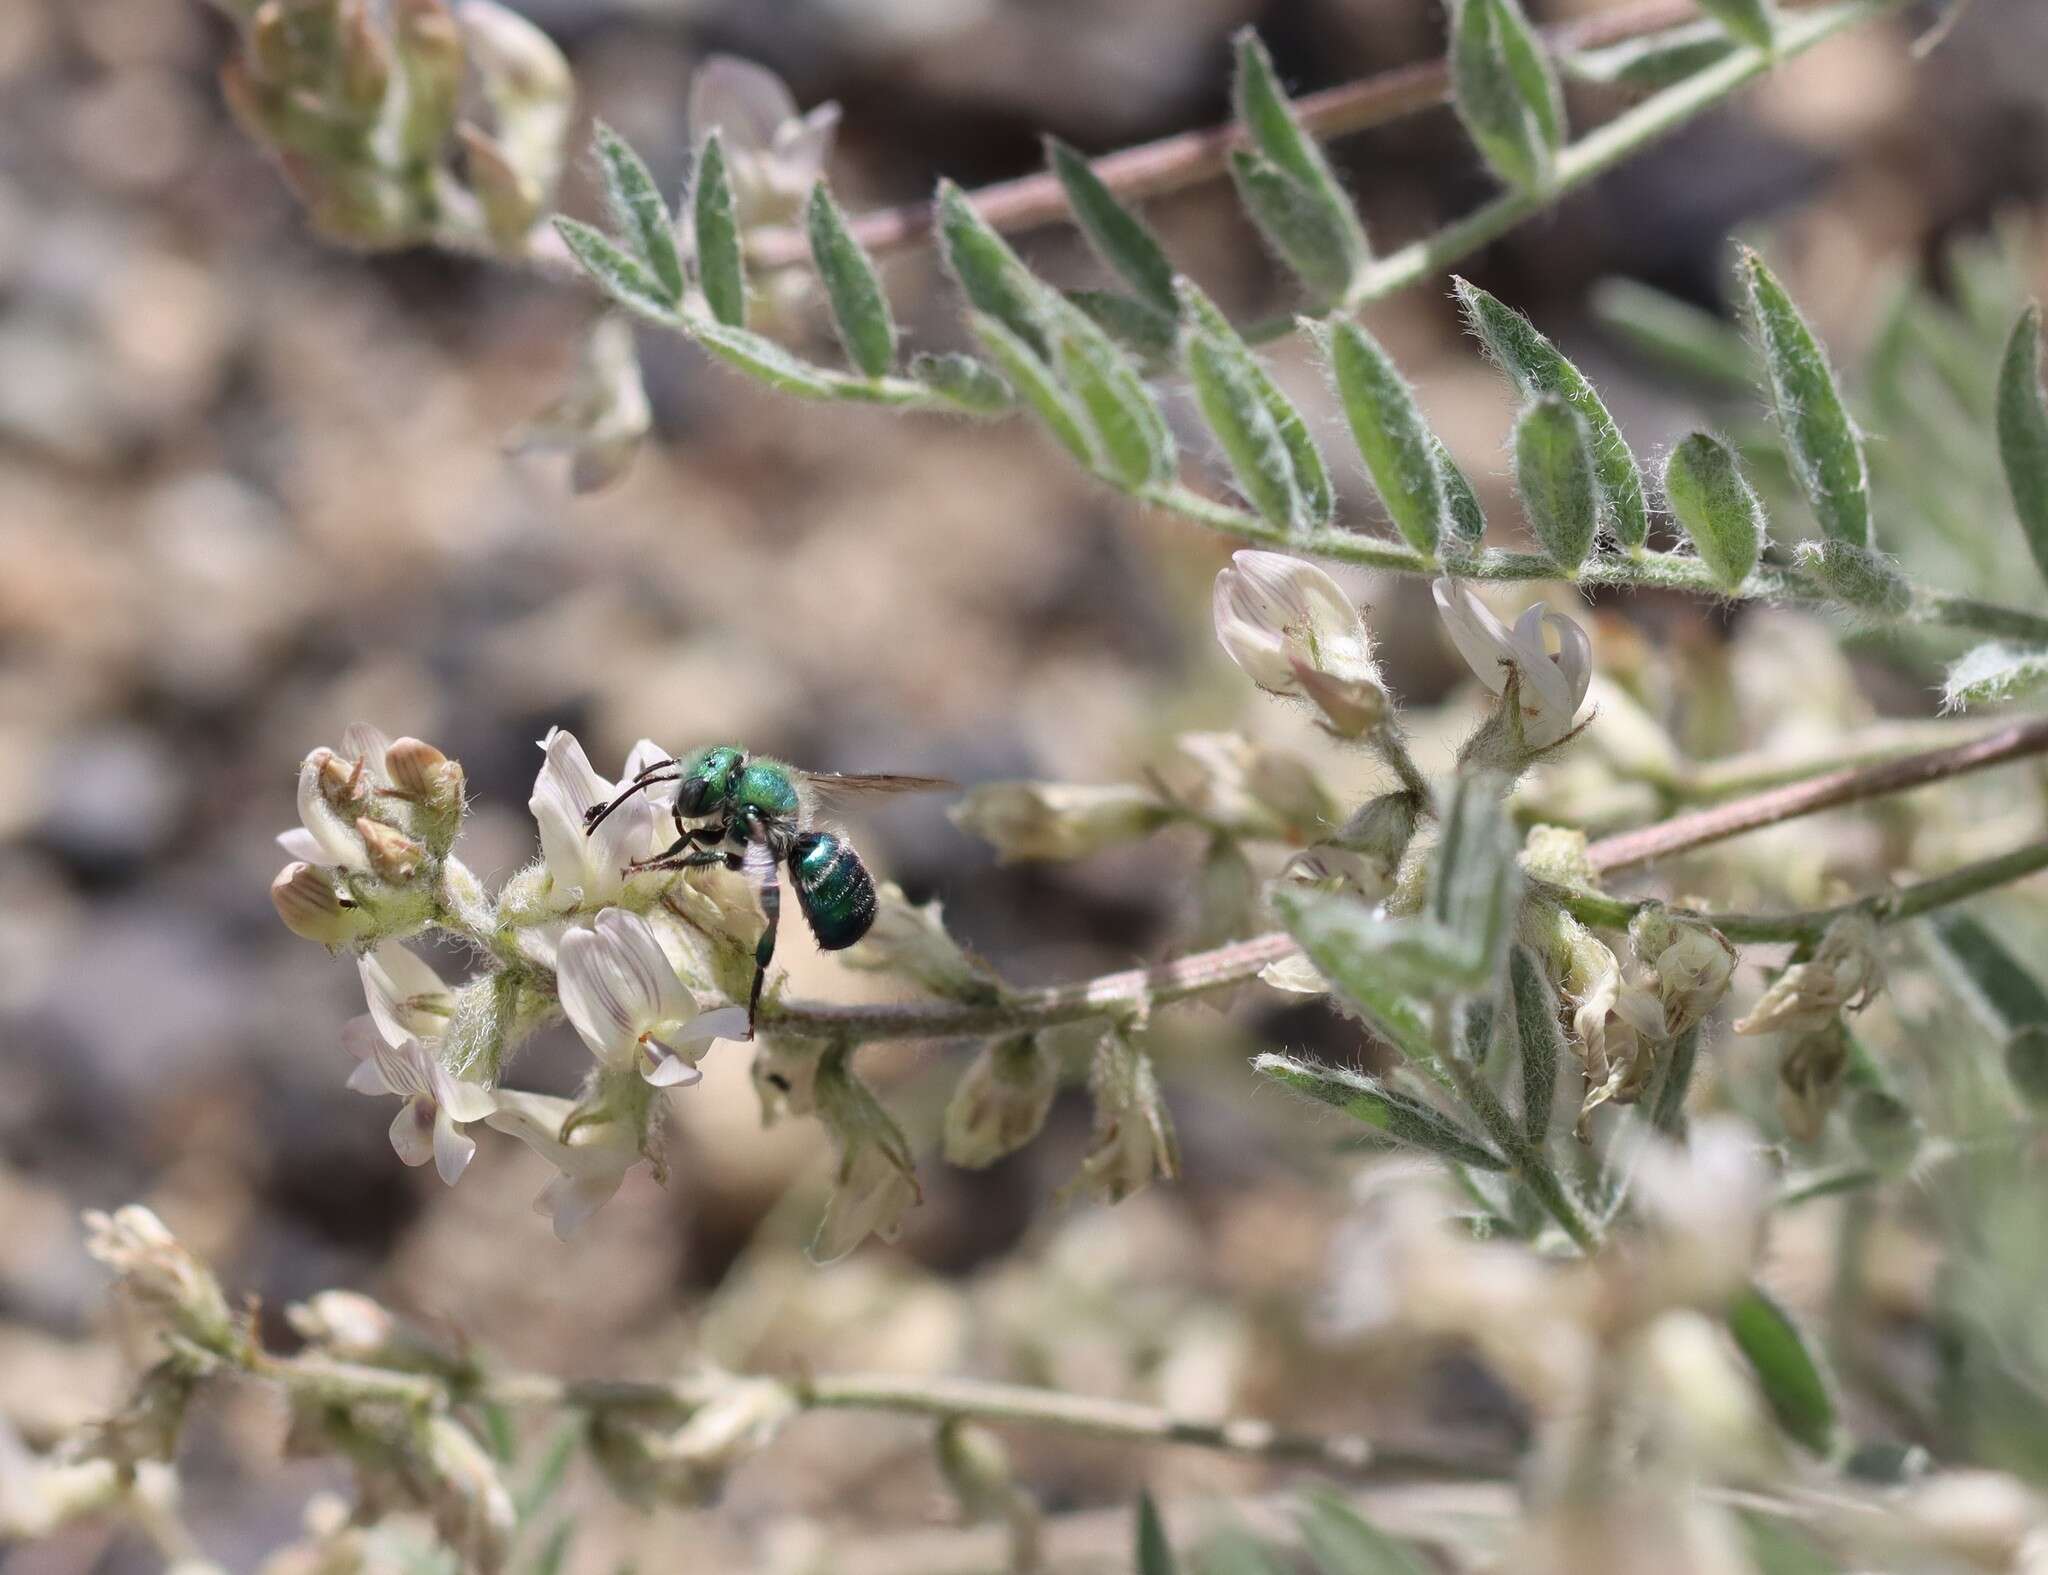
(832, 787)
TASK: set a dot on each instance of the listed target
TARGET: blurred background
(253, 488)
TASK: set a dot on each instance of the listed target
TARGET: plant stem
(1526, 1158)
(1155, 169)
(1628, 849)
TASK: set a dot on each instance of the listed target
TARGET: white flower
(1294, 632)
(773, 155)
(334, 789)
(622, 995)
(593, 1162)
(437, 1103)
(586, 867)
(1553, 687)
(408, 1000)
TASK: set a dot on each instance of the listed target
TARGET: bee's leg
(597, 814)
(759, 867)
(674, 858)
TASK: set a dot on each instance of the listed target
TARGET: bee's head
(708, 785)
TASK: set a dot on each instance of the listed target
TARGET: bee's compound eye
(692, 794)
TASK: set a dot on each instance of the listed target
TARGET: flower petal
(299, 843)
(1545, 690)
(361, 741)
(573, 1199)
(638, 949)
(1481, 638)
(1574, 656)
(396, 982)
(338, 840)
(412, 1131)
(609, 1005)
(453, 1148)
(462, 1099)
(724, 1022)
(663, 1068)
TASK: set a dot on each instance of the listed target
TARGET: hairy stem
(1156, 169)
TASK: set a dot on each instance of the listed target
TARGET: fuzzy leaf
(1476, 881)
(1709, 498)
(1464, 516)
(1793, 1384)
(1367, 1099)
(965, 382)
(642, 215)
(1537, 367)
(2023, 431)
(993, 278)
(1297, 223)
(1554, 475)
(1748, 20)
(1656, 60)
(762, 358)
(1504, 91)
(1822, 442)
(620, 275)
(1131, 431)
(1118, 235)
(1262, 109)
(1035, 384)
(1344, 1542)
(1399, 450)
(1309, 480)
(1353, 949)
(1148, 333)
(860, 309)
(1539, 1039)
(1855, 575)
(1992, 672)
(721, 268)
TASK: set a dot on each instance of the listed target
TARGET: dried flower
(346, 1324)
(1294, 632)
(621, 994)
(1553, 686)
(1134, 1139)
(593, 1158)
(876, 1184)
(1811, 1074)
(1051, 820)
(1841, 976)
(1691, 963)
(1001, 1101)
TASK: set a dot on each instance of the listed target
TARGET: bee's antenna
(597, 815)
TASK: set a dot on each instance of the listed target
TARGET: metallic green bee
(754, 816)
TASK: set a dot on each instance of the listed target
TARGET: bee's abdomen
(833, 888)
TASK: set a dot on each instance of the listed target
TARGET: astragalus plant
(1621, 1070)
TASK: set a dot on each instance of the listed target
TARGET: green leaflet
(642, 215)
(1537, 368)
(994, 280)
(1363, 958)
(1312, 500)
(1148, 333)
(1748, 20)
(1825, 449)
(1230, 403)
(1154, 1552)
(860, 309)
(721, 269)
(1787, 1371)
(2023, 431)
(1656, 60)
(1131, 431)
(1298, 224)
(1475, 881)
(1268, 119)
(1118, 235)
(1367, 1099)
(1554, 475)
(1504, 91)
(1992, 672)
(763, 358)
(963, 382)
(2004, 992)
(1707, 495)
(1344, 1542)
(1399, 450)
(620, 275)
(1035, 384)
(1855, 575)
(1466, 518)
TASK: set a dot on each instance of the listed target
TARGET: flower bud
(785, 1074)
(1841, 975)
(977, 1468)
(430, 53)
(163, 1278)
(510, 199)
(346, 1324)
(876, 1184)
(1000, 1102)
(1294, 632)
(1134, 1140)
(514, 58)
(310, 906)
(2026, 1063)
(1051, 820)
(272, 49)
(433, 784)
(394, 856)
(365, 59)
